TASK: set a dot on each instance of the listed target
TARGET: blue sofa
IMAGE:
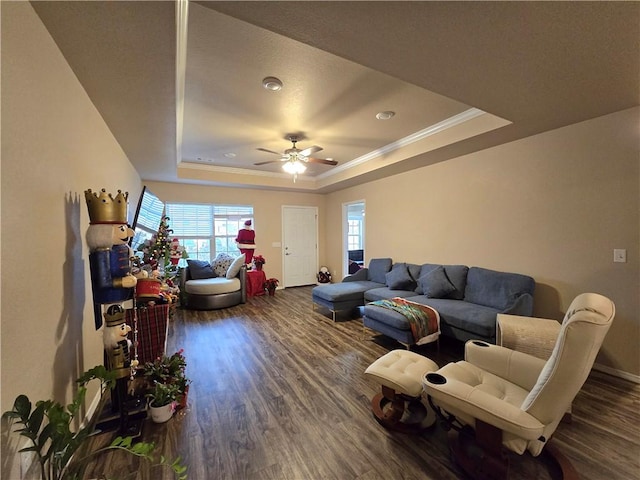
(467, 298)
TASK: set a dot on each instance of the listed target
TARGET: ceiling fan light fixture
(386, 115)
(272, 84)
(294, 167)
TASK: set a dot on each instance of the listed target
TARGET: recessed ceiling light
(385, 115)
(272, 83)
(230, 155)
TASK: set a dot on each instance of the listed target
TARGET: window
(206, 230)
(147, 218)
(354, 236)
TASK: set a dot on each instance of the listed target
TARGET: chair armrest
(523, 305)
(242, 275)
(464, 400)
(532, 335)
(184, 276)
(516, 367)
(360, 275)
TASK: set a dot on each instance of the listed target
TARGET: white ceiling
(461, 76)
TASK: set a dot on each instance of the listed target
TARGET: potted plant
(59, 451)
(270, 285)
(165, 369)
(259, 261)
(169, 370)
(162, 401)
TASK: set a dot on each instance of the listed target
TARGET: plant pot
(161, 414)
(272, 291)
(259, 267)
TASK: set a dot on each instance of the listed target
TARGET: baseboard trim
(617, 373)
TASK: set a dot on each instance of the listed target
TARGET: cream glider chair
(499, 398)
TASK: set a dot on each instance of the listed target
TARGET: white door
(300, 245)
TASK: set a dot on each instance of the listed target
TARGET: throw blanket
(423, 320)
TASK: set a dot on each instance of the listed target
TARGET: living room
(553, 206)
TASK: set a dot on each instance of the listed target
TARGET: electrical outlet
(619, 255)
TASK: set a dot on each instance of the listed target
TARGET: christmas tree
(156, 251)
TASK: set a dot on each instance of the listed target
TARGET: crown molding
(446, 124)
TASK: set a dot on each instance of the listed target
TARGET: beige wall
(267, 209)
(55, 145)
(553, 206)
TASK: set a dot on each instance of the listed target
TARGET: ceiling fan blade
(268, 161)
(268, 151)
(322, 160)
(311, 150)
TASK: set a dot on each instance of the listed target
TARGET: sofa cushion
(479, 320)
(387, 316)
(399, 278)
(378, 268)
(457, 275)
(384, 293)
(221, 264)
(414, 271)
(496, 289)
(212, 286)
(436, 284)
(199, 269)
(235, 267)
(338, 292)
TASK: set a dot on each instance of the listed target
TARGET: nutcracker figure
(109, 253)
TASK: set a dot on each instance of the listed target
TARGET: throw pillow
(200, 269)
(436, 284)
(235, 267)
(378, 268)
(398, 278)
(222, 263)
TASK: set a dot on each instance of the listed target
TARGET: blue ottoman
(341, 296)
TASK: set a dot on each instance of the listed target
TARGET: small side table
(255, 283)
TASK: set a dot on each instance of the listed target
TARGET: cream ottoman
(399, 406)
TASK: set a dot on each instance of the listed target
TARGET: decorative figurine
(246, 241)
(117, 350)
(116, 344)
(109, 253)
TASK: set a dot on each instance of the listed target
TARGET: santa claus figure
(246, 241)
(175, 251)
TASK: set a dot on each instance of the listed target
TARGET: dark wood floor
(279, 393)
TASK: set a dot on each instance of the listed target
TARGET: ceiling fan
(294, 154)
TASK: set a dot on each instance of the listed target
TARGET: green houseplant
(57, 448)
(169, 370)
(163, 394)
(162, 401)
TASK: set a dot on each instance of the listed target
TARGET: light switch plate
(619, 255)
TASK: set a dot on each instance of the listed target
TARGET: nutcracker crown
(114, 316)
(104, 208)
